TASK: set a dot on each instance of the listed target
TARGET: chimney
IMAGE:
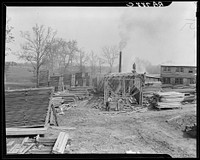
(120, 61)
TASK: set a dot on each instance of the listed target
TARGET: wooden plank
(25, 131)
(61, 142)
(48, 112)
(62, 128)
(10, 143)
(21, 149)
(58, 142)
(54, 113)
(14, 149)
(51, 116)
(47, 140)
(64, 143)
(40, 152)
(24, 140)
(27, 148)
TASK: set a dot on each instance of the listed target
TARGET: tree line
(42, 48)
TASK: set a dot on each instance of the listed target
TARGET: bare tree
(93, 59)
(81, 60)
(36, 47)
(101, 61)
(110, 54)
(67, 52)
(52, 56)
(9, 37)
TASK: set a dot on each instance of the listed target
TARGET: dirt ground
(99, 131)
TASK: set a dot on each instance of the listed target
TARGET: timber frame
(123, 86)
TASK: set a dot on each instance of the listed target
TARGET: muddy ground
(99, 131)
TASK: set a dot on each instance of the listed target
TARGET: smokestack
(120, 61)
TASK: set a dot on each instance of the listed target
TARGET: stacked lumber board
(27, 107)
(170, 99)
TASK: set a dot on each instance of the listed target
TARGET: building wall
(175, 75)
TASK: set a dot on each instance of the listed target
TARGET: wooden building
(176, 75)
(123, 86)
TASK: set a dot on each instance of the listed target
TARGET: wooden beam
(48, 113)
(62, 128)
(51, 116)
(31, 89)
(25, 131)
(54, 113)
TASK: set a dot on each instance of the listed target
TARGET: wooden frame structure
(123, 86)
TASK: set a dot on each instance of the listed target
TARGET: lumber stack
(170, 99)
(28, 107)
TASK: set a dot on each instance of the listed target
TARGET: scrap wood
(61, 142)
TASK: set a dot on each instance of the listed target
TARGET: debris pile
(38, 145)
(185, 123)
(191, 130)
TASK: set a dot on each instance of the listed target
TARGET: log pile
(28, 107)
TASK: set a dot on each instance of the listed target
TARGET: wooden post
(124, 89)
(54, 113)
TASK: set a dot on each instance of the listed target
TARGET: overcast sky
(159, 35)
